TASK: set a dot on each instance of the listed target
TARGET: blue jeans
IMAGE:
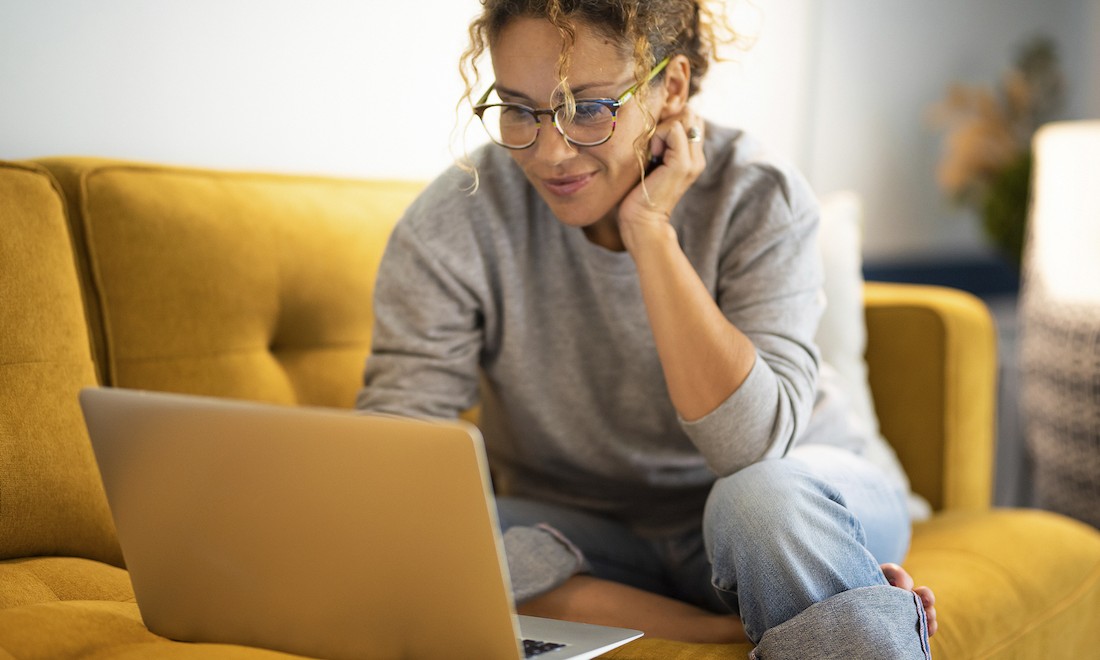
(792, 545)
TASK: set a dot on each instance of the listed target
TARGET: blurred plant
(986, 162)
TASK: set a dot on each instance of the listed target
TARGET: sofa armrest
(931, 360)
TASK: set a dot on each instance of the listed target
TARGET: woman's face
(581, 185)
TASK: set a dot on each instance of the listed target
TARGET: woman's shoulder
(485, 189)
(455, 220)
(743, 169)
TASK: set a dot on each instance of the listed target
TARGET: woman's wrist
(639, 237)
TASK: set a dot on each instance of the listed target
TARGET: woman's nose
(550, 145)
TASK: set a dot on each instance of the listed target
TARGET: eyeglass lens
(516, 126)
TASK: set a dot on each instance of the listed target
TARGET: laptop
(318, 532)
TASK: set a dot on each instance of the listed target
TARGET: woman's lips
(567, 185)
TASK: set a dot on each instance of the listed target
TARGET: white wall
(350, 87)
(341, 86)
(766, 88)
(1090, 30)
(333, 87)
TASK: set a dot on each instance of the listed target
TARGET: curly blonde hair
(647, 31)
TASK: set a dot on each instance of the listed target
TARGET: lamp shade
(1065, 217)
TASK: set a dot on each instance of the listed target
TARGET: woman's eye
(590, 112)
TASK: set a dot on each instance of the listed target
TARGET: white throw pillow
(842, 335)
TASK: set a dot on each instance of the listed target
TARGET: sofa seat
(101, 629)
(92, 610)
(998, 594)
(48, 579)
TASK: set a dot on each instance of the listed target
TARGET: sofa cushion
(842, 333)
(46, 579)
(1010, 583)
(51, 498)
(237, 285)
(102, 629)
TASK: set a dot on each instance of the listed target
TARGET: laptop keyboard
(533, 647)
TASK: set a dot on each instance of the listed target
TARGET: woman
(632, 294)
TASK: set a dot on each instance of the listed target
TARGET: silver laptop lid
(310, 531)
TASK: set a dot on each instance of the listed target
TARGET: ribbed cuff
(869, 623)
(540, 559)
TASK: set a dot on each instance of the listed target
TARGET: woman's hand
(678, 145)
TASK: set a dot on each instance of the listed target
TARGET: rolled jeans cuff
(865, 623)
(540, 559)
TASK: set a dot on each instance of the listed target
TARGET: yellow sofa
(258, 287)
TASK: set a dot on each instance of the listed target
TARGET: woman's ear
(677, 83)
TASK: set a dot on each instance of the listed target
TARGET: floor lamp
(1060, 320)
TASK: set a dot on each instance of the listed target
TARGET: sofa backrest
(239, 285)
(259, 287)
(51, 498)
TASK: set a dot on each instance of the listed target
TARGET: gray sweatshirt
(487, 298)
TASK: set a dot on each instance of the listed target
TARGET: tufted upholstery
(51, 500)
(245, 286)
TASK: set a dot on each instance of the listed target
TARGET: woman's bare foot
(899, 577)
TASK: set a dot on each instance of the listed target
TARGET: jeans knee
(781, 537)
(772, 510)
(754, 501)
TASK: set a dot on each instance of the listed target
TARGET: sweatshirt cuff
(745, 427)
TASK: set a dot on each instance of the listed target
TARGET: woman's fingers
(681, 138)
(679, 161)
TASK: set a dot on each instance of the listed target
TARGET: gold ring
(694, 134)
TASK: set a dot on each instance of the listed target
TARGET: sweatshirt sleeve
(428, 331)
(769, 287)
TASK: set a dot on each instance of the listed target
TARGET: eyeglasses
(591, 123)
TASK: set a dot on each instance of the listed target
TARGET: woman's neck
(605, 233)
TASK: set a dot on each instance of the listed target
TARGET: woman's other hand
(677, 144)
